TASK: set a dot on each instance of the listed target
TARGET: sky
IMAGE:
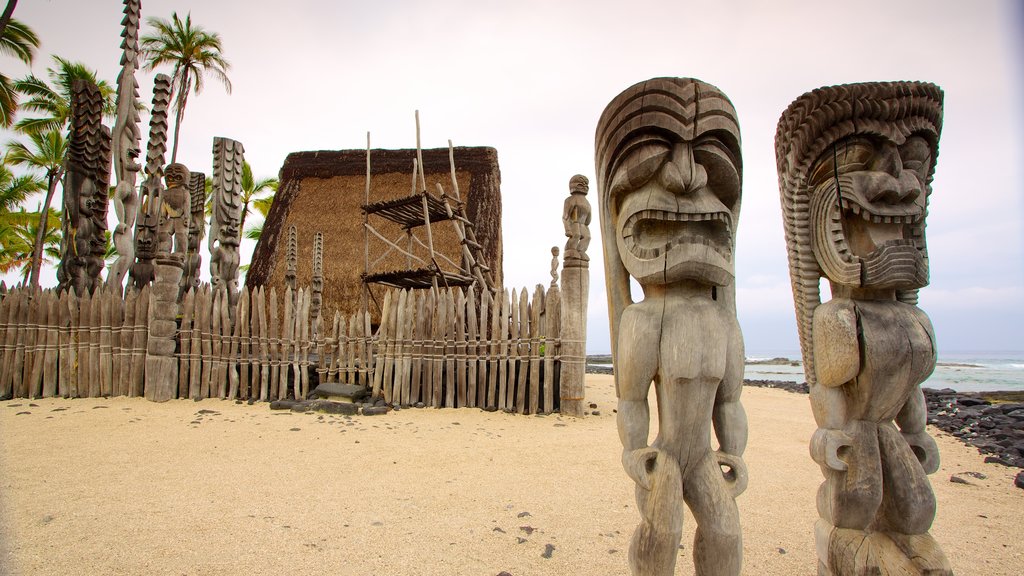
(531, 78)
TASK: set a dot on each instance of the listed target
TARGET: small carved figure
(855, 167)
(146, 236)
(554, 266)
(576, 218)
(316, 299)
(227, 212)
(669, 177)
(196, 232)
(291, 256)
(175, 212)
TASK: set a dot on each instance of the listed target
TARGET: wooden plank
(472, 351)
(506, 374)
(206, 335)
(450, 384)
(188, 309)
(400, 344)
(127, 343)
(380, 357)
(106, 320)
(440, 321)
(95, 320)
(366, 334)
(499, 335)
(64, 355)
(552, 311)
(533, 397)
(50, 353)
(217, 371)
(332, 345)
(242, 339)
(429, 350)
(31, 336)
(277, 391)
(265, 370)
(287, 339)
(116, 328)
(389, 353)
(416, 384)
(195, 353)
(461, 392)
(84, 336)
(483, 348)
(524, 350)
(5, 329)
(234, 362)
(140, 341)
(409, 349)
(493, 336)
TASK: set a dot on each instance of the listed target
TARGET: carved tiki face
(176, 176)
(146, 237)
(868, 208)
(669, 173)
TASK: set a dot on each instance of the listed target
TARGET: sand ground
(124, 486)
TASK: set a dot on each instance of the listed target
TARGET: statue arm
(728, 416)
(912, 419)
(836, 348)
(636, 366)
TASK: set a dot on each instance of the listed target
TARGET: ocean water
(961, 371)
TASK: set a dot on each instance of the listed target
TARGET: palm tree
(46, 156)
(53, 99)
(19, 41)
(16, 189)
(20, 240)
(192, 51)
(262, 205)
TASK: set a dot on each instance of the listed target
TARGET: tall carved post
(669, 173)
(291, 258)
(149, 208)
(85, 192)
(554, 266)
(125, 146)
(575, 291)
(175, 212)
(855, 168)
(161, 365)
(196, 232)
(227, 213)
(317, 299)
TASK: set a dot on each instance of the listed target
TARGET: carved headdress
(807, 130)
(667, 110)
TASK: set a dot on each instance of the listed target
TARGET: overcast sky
(530, 78)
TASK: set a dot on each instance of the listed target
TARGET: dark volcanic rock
(1019, 480)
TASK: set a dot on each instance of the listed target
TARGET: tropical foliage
(19, 41)
(192, 52)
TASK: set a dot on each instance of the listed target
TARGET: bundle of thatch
(324, 191)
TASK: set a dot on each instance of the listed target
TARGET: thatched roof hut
(324, 191)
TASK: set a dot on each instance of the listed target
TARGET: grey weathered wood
(380, 359)
(867, 350)
(116, 329)
(216, 341)
(127, 342)
(195, 367)
(418, 339)
(429, 347)
(513, 350)
(106, 320)
(471, 349)
(206, 317)
(277, 391)
(483, 349)
(235, 360)
(389, 361)
(84, 339)
(287, 340)
(524, 350)
(31, 329)
(366, 335)
(684, 331)
(494, 338)
(265, 359)
(9, 317)
(140, 342)
(188, 308)
(95, 319)
(450, 351)
(553, 314)
(462, 393)
(400, 344)
(52, 345)
(535, 334)
(503, 347)
(409, 349)
(302, 378)
(244, 338)
(64, 344)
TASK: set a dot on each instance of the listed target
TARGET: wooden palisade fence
(449, 348)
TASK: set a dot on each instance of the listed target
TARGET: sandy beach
(125, 486)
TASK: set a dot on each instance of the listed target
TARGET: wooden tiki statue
(227, 212)
(669, 178)
(855, 165)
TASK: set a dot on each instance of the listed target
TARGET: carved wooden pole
(149, 209)
(196, 232)
(83, 242)
(161, 365)
(668, 219)
(126, 145)
(855, 167)
(291, 259)
(227, 211)
(575, 291)
(317, 290)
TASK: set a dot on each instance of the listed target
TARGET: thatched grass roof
(324, 191)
